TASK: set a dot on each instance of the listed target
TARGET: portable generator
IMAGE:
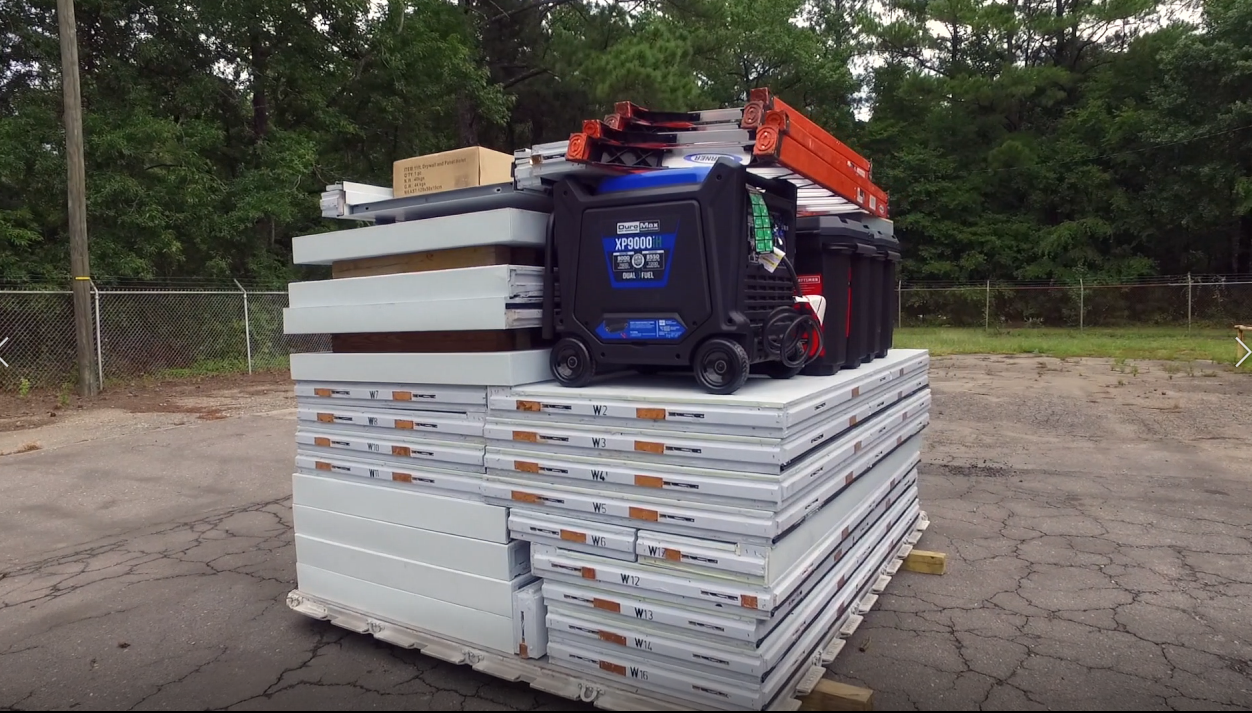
(678, 268)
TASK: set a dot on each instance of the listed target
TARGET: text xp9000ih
(677, 268)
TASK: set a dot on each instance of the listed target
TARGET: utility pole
(80, 263)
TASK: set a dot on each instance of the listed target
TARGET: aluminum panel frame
(511, 283)
(444, 455)
(530, 629)
(761, 402)
(418, 397)
(753, 600)
(710, 521)
(448, 483)
(511, 227)
(447, 369)
(494, 596)
(717, 690)
(690, 484)
(726, 626)
(573, 534)
(480, 628)
(481, 558)
(402, 505)
(439, 425)
(456, 315)
(755, 454)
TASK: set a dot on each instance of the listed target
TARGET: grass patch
(219, 367)
(207, 367)
(1159, 343)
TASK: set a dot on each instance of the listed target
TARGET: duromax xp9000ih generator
(677, 268)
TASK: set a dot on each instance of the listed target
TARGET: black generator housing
(665, 270)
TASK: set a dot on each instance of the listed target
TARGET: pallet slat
(926, 562)
(831, 695)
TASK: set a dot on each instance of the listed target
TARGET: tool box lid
(836, 230)
(887, 243)
(654, 179)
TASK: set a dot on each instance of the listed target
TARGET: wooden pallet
(831, 695)
(809, 686)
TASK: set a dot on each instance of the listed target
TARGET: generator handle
(547, 321)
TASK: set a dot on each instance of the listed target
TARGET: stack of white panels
(705, 547)
(389, 512)
(469, 298)
(508, 227)
(389, 515)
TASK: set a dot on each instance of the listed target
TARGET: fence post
(1188, 302)
(986, 312)
(99, 336)
(1082, 306)
(900, 303)
(247, 324)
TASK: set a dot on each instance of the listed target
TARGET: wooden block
(831, 695)
(436, 260)
(503, 340)
(926, 562)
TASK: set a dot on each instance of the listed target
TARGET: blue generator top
(654, 179)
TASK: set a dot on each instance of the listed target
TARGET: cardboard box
(462, 168)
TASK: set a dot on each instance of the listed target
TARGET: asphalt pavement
(1103, 565)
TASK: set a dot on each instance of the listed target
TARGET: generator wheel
(721, 366)
(571, 363)
(778, 370)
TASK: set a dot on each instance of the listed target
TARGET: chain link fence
(1182, 301)
(189, 328)
(143, 331)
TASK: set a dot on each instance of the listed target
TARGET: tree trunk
(260, 101)
(467, 121)
(1060, 40)
(1243, 247)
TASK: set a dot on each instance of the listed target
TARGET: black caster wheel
(721, 366)
(778, 370)
(571, 363)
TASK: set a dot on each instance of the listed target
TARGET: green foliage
(1157, 343)
(1017, 139)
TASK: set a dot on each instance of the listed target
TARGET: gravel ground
(1096, 518)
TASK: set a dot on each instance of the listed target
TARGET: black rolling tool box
(685, 268)
(853, 266)
(826, 245)
(889, 249)
(866, 287)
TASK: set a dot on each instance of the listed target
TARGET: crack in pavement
(254, 542)
(1047, 584)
